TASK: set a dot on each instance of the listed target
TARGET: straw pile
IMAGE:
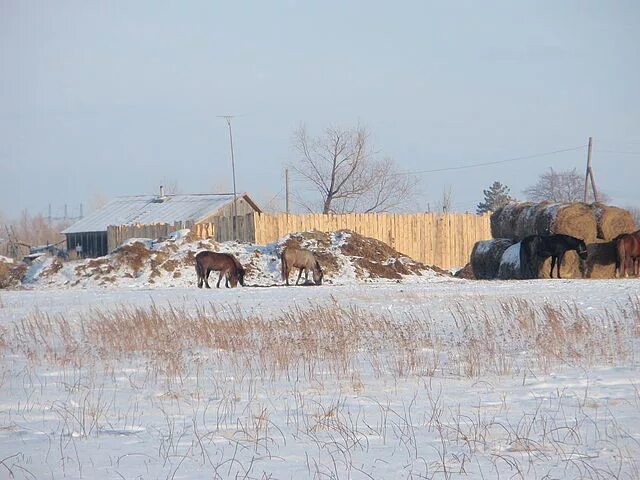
(601, 261)
(486, 256)
(612, 221)
(503, 221)
(575, 219)
(518, 220)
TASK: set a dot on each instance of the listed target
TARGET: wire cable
(497, 162)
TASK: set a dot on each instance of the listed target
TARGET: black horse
(536, 248)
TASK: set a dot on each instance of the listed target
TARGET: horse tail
(620, 255)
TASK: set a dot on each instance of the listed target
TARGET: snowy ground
(445, 378)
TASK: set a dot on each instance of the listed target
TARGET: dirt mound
(11, 272)
(465, 273)
(345, 257)
(133, 255)
(370, 258)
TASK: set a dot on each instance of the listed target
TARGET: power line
(617, 152)
(497, 162)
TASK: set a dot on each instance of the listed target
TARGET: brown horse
(627, 253)
(304, 260)
(225, 263)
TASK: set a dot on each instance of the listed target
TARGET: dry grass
(335, 340)
(220, 412)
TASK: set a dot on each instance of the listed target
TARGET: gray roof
(151, 209)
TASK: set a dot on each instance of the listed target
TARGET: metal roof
(151, 209)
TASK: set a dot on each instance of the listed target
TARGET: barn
(91, 231)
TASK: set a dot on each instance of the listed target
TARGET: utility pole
(286, 189)
(589, 175)
(233, 173)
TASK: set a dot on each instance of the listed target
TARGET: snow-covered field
(429, 377)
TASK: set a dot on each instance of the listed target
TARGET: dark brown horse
(627, 253)
(304, 260)
(535, 248)
(225, 263)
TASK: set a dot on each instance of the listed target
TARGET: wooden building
(91, 231)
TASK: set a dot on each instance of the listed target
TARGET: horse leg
(559, 262)
(222, 273)
(206, 278)
(553, 264)
(199, 274)
(299, 275)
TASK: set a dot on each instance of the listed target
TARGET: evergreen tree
(497, 196)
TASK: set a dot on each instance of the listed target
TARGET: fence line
(444, 240)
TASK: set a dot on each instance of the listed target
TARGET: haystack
(509, 268)
(525, 222)
(570, 267)
(503, 220)
(575, 219)
(601, 262)
(612, 221)
(486, 255)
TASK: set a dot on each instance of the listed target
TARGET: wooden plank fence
(444, 240)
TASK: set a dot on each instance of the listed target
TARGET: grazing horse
(627, 253)
(535, 248)
(225, 263)
(304, 260)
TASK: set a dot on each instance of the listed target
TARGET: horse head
(317, 274)
(240, 273)
(581, 250)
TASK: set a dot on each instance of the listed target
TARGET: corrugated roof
(147, 210)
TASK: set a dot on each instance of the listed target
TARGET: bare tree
(445, 203)
(635, 211)
(344, 171)
(562, 186)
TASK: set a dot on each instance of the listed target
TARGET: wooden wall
(444, 240)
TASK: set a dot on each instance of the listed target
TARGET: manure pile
(345, 256)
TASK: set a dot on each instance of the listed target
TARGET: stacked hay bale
(509, 268)
(596, 224)
(486, 256)
(612, 221)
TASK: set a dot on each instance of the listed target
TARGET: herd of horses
(233, 272)
(534, 249)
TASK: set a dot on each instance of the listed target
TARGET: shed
(91, 231)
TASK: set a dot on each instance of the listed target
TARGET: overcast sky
(100, 99)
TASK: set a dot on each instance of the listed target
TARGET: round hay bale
(486, 255)
(601, 260)
(509, 268)
(570, 268)
(525, 223)
(495, 222)
(612, 221)
(508, 219)
(575, 219)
